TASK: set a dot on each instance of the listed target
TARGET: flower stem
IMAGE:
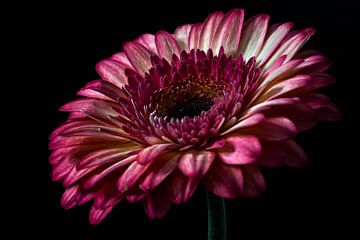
(216, 217)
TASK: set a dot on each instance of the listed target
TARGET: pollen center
(186, 98)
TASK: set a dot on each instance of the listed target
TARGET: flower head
(209, 105)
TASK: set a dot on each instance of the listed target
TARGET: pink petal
(314, 64)
(166, 45)
(240, 149)
(271, 104)
(194, 36)
(101, 90)
(97, 108)
(139, 56)
(118, 165)
(157, 204)
(273, 129)
(301, 115)
(228, 32)
(113, 71)
(253, 36)
(182, 35)
(159, 172)
(291, 45)
(224, 180)
(254, 182)
(208, 30)
(196, 164)
(329, 113)
(277, 153)
(131, 175)
(151, 153)
(101, 157)
(135, 194)
(148, 41)
(97, 215)
(251, 120)
(70, 197)
(181, 188)
(273, 39)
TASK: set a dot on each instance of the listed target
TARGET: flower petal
(254, 182)
(253, 36)
(157, 204)
(159, 172)
(151, 153)
(196, 164)
(148, 41)
(139, 57)
(180, 187)
(277, 153)
(194, 36)
(166, 45)
(273, 38)
(252, 120)
(240, 149)
(131, 175)
(182, 35)
(101, 90)
(97, 215)
(228, 32)
(224, 180)
(291, 45)
(208, 30)
(113, 70)
(273, 129)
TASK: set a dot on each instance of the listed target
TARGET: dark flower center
(186, 98)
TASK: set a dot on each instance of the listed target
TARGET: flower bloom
(208, 104)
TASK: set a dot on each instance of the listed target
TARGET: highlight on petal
(240, 149)
(139, 57)
(166, 45)
(253, 36)
(208, 30)
(228, 32)
(196, 164)
(182, 35)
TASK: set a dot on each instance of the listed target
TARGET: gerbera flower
(207, 105)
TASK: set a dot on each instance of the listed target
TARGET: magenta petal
(182, 35)
(131, 175)
(224, 180)
(118, 165)
(291, 45)
(241, 149)
(101, 90)
(228, 32)
(274, 129)
(97, 215)
(277, 153)
(249, 121)
(148, 41)
(274, 37)
(166, 45)
(196, 164)
(254, 182)
(209, 29)
(158, 173)
(181, 188)
(194, 36)
(70, 197)
(113, 71)
(139, 56)
(151, 153)
(157, 204)
(253, 35)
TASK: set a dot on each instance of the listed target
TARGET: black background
(67, 41)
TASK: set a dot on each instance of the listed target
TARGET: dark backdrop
(308, 202)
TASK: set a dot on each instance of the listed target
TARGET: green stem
(216, 217)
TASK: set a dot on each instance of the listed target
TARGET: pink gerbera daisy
(207, 105)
